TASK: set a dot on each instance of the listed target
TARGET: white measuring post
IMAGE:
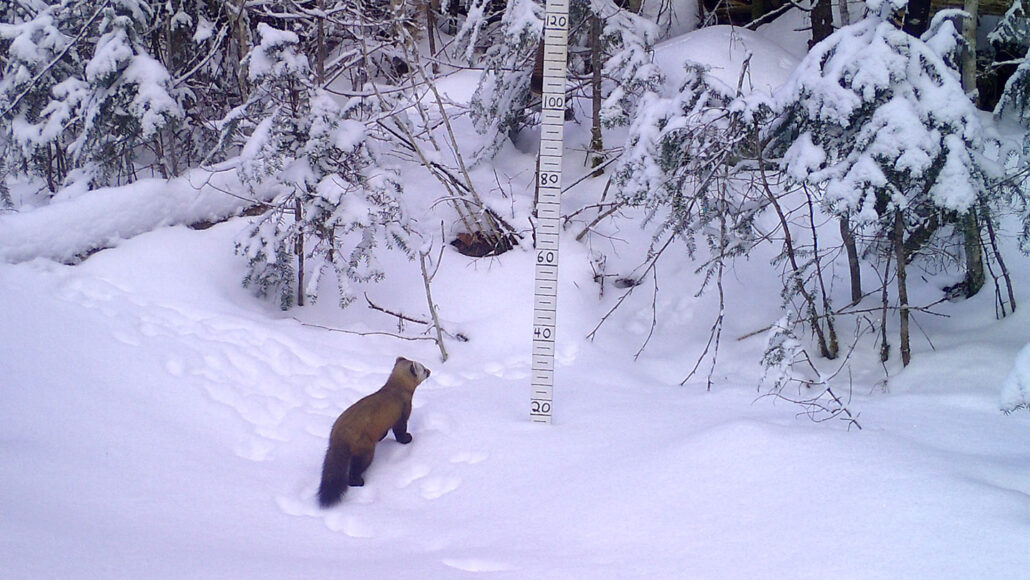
(552, 130)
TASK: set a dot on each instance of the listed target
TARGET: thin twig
(654, 314)
(376, 307)
(357, 333)
(432, 307)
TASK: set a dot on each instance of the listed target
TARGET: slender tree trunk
(51, 179)
(299, 216)
(432, 307)
(854, 267)
(969, 54)
(320, 59)
(900, 258)
(431, 33)
(241, 38)
(885, 345)
(596, 138)
(918, 17)
(970, 227)
(975, 276)
(822, 21)
(844, 12)
(832, 348)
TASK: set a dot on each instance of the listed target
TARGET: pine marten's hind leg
(359, 463)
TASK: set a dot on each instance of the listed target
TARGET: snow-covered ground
(158, 421)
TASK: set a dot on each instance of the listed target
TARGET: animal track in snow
(413, 473)
(469, 457)
(430, 486)
(126, 338)
(254, 449)
(439, 485)
(353, 526)
(478, 565)
(175, 367)
(436, 422)
(295, 506)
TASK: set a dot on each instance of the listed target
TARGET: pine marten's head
(409, 373)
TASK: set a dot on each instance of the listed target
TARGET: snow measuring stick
(548, 207)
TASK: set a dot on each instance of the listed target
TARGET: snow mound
(724, 49)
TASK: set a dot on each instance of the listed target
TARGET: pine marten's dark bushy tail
(335, 475)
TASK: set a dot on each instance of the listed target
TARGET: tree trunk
(822, 21)
(970, 226)
(241, 45)
(320, 39)
(918, 17)
(975, 275)
(299, 216)
(596, 138)
(901, 259)
(845, 14)
(854, 267)
(969, 54)
(431, 33)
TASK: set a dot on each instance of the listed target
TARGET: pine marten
(353, 439)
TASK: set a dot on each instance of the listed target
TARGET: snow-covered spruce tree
(39, 91)
(878, 122)
(107, 88)
(124, 97)
(675, 147)
(335, 205)
(198, 43)
(482, 26)
(499, 107)
(681, 164)
(627, 41)
(1011, 37)
(1012, 33)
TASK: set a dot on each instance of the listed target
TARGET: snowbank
(724, 49)
(75, 225)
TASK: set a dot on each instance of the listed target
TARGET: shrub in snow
(334, 204)
(782, 349)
